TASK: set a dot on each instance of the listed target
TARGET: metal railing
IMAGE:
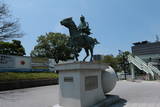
(139, 63)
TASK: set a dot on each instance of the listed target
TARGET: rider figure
(84, 27)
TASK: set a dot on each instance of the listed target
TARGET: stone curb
(110, 99)
(18, 84)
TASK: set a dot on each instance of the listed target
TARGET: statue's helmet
(82, 17)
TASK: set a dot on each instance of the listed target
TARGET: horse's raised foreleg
(91, 51)
(87, 54)
(76, 54)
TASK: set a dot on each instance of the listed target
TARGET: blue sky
(115, 23)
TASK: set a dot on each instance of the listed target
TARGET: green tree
(112, 61)
(53, 45)
(13, 48)
(123, 62)
(9, 27)
(119, 62)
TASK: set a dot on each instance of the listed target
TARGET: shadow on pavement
(121, 103)
(115, 101)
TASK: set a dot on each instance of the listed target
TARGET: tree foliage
(111, 60)
(53, 45)
(118, 62)
(9, 27)
(13, 48)
(122, 61)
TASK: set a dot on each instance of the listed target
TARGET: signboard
(40, 64)
(22, 62)
(6, 61)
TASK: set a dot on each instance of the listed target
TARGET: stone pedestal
(80, 84)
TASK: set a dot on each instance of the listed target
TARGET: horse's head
(68, 22)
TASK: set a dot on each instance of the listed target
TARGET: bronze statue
(79, 37)
(84, 27)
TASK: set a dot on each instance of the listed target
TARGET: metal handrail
(140, 64)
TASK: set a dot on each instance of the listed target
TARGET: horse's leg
(91, 51)
(76, 55)
(87, 53)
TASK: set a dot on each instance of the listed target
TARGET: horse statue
(77, 41)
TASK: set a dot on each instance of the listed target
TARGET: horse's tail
(95, 41)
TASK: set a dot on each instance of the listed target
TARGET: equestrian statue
(79, 37)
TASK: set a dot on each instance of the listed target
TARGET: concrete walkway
(137, 94)
(46, 96)
(132, 94)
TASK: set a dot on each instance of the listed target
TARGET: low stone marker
(81, 84)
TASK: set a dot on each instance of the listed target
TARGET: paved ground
(132, 94)
(46, 96)
(138, 94)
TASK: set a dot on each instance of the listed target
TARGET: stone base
(110, 99)
(80, 84)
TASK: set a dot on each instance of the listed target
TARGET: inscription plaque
(68, 79)
(91, 82)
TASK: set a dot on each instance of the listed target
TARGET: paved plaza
(132, 94)
(138, 94)
(45, 96)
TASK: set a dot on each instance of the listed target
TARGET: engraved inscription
(68, 79)
(91, 82)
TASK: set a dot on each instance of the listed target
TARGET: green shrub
(27, 76)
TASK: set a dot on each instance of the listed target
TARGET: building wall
(147, 48)
(149, 52)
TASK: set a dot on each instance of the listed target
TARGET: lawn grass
(27, 76)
